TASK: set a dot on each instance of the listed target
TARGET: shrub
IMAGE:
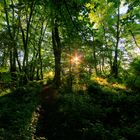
(134, 75)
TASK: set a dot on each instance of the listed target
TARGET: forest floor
(106, 111)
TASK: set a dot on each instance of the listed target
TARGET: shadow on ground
(17, 113)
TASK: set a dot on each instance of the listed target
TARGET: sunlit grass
(119, 86)
(104, 82)
(101, 81)
(5, 92)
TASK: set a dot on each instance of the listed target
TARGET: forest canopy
(41, 37)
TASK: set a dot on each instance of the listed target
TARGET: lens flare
(76, 59)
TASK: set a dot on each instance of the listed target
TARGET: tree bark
(94, 55)
(11, 50)
(115, 63)
(57, 54)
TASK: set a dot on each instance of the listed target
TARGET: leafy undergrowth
(104, 113)
(111, 84)
(17, 113)
(98, 115)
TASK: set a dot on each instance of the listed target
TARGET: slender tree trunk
(106, 48)
(94, 55)
(11, 50)
(42, 33)
(57, 54)
(12, 63)
(4, 59)
(115, 63)
(70, 77)
(25, 40)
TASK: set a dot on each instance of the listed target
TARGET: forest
(69, 70)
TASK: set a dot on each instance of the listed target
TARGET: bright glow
(76, 59)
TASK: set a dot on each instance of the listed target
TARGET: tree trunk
(12, 54)
(57, 54)
(25, 39)
(94, 55)
(42, 33)
(115, 63)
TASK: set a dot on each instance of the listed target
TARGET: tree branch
(134, 38)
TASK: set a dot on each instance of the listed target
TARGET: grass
(17, 112)
(106, 112)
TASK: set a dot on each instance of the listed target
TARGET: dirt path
(48, 98)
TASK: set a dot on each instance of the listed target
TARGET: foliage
(99, 115)
(75, 44)
(134, 71)
(98, 29)
(17, 112)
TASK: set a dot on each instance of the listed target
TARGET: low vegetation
(17, 112)
(103, 112)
